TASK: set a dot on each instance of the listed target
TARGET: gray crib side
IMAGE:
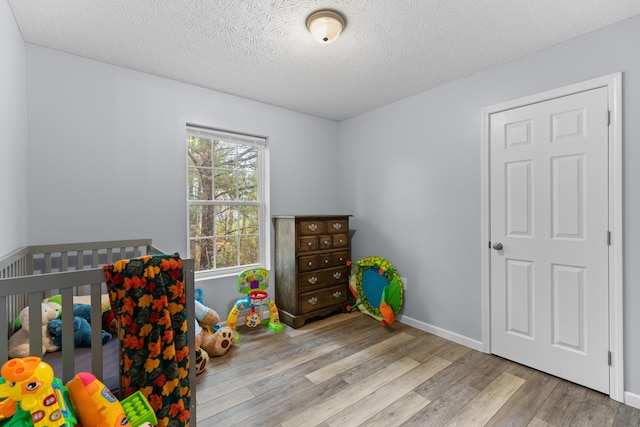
(30, 274)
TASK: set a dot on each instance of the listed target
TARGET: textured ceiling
(261, 50)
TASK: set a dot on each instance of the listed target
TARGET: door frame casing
(613, 83)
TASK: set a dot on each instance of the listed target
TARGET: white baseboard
(632, 399)
(442, 333)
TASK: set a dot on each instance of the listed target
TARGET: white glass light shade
(325, 26)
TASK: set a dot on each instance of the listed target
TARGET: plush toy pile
(52, 327)
(210, 340)
(81, 327)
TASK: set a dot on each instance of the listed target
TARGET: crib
(32, 273)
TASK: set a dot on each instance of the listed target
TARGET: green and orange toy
(377, 288)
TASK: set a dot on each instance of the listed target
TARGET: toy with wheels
(377, 288)
(253, 284)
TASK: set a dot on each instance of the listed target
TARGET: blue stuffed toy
(81, 327)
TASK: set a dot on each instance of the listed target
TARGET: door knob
(497, 246)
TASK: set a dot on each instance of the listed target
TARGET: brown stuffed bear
(214, 343)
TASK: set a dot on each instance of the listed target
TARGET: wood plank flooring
(348, 370)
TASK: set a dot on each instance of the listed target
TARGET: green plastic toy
(138, 411)
(377, 288)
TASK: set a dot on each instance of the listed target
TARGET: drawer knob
(326, 242)
(337, 294)
(312, 227)
(337, 226)
(313, 300)
(313, 280)
(310, 263)
(337, 275)
(326, 261)
(309, 243)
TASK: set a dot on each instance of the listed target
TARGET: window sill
(221, 274)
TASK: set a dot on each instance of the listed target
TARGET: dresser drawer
(339, 259)
(313, 227)
(323, 278)
(321, 261)
(325, 241)
(340, 241)
(312, 301)
(337, 226)
(308, 263)
(308, 243)
(314, 280)
(325, 260)
(339, 275)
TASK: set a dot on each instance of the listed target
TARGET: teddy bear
(202, 358)
(19, 341)
(81, 327)
(214, 343)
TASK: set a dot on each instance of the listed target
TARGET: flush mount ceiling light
(325, 25)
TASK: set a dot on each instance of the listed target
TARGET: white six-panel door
(549, 236)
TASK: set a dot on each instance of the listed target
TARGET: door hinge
(609, 358)
(608, 238)
(489, 244)
(608, 117)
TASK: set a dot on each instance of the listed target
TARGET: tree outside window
(225, 199)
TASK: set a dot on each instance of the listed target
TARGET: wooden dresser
(311, 272)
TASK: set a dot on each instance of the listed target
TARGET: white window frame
(263, 196)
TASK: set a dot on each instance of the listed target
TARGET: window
(227, 187)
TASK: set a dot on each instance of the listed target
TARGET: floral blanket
(148, 299)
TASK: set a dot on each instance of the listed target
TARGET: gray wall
(13, 135)
(411, 172)
(107, 155)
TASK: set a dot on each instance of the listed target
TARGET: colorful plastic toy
(94, 403)
(377, 287)
(254, 284)
(18, 418)
(138, 410)
(30, 382)
(65, 403)
(8, 406)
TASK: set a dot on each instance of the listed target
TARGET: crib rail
(32, 273)
(14, 264)
(44, 259)
(78, 256)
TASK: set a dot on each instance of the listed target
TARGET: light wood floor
(348, 370)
